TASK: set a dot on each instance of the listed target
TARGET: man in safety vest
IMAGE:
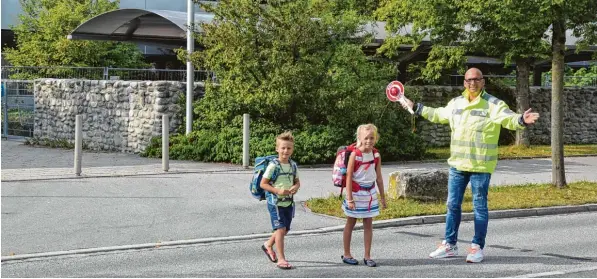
(475, 119)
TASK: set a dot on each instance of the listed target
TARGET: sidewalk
(22, 163)
(28, 174)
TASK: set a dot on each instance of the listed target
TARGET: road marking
(567, 257)
(555, 273)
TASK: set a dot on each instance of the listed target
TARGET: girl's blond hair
(367, 127)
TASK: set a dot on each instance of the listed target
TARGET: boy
(279, 196)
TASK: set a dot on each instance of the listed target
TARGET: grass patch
(500, 197)
(513, 151)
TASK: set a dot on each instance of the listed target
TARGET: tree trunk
(523, 66)
(558, 45)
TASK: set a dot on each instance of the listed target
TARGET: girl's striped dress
(366, 205)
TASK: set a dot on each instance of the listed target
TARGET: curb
(415, 220)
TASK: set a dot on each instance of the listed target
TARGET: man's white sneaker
(475, 254)
(445, 250)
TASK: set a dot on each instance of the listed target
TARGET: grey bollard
(246, 121)
(78, 143)
(165, 143)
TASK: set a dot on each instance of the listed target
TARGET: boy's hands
(282, 192)
(291, 191)
(383, 203)
(294, 189)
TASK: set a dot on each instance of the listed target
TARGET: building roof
(154, 27)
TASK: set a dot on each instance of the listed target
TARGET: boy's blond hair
(286, 136)
(367, 127)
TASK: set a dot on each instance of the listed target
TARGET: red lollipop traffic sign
(395, 93)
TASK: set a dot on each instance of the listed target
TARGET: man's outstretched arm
(513, 121)
(435, 115)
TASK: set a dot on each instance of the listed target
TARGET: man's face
(473, 81)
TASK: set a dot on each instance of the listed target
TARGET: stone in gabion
(425, 185)
(117, 115)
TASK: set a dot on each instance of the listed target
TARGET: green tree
(439, 21)
(580, 16)
(514, 31)
(296, 65)
(41, 37)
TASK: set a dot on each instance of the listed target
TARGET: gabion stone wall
(117, 115)
(580, 115)
(580, 110)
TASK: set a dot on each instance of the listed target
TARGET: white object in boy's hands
(395, 93)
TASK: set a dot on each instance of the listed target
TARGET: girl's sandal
(284, 265)
(370, 263)
(350, 261)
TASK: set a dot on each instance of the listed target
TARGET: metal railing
(574, 81)
(99, 73)
(17, 108)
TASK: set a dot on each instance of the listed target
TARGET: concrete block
(425, 185)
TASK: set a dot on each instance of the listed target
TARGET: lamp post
(190, 70)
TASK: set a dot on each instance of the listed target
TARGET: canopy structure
(152, 27)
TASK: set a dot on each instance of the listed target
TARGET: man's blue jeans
(457, 182)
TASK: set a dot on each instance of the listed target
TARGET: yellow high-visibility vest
(475, 129)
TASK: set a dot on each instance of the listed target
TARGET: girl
(363, 171)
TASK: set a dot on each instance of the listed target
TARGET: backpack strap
(294, 169)
(358, 154)
(376, 156)
(276, 171)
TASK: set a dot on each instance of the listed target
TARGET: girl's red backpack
(341, 164)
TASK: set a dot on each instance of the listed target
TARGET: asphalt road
(65, 214)
(549, 246)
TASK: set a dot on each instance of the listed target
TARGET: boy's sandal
(284, 265)
(351, 261)
(271, 256)
(370, 263)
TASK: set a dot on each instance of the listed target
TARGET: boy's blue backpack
(261, 164)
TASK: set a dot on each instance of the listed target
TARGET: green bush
(314, 144)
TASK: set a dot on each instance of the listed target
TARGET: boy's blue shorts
(281, 217)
